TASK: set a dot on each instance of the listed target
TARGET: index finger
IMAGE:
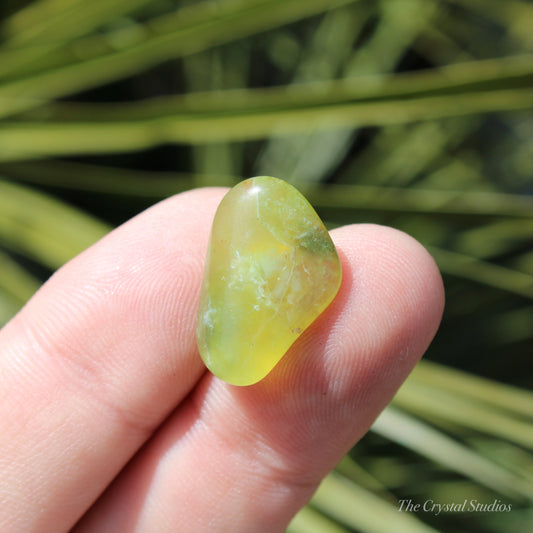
(97, 359)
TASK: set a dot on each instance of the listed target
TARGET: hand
(110, 422)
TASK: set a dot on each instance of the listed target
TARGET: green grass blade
(417, 200)
(496, 238)
(353, 471)
(44, 228)
(34, 15)
(37, 24)
(460, 384)
(129, 182)
(473, 269)
(33, 140)
(422, 157)
(437, 446)
(495, 76)
(9, 307)
(34, 37)
(509, 327)
(309, 520)
(324, 56)
(102, 179)
(510, 456)
(362, 510)
(15, 281)
(514, 15)
(428, 402)
(199, 27)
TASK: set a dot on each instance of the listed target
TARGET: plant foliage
(411, 113)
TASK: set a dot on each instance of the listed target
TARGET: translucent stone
(271, 270)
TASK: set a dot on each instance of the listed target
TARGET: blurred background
(412, 113)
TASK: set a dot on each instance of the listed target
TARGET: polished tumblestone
(271, 270)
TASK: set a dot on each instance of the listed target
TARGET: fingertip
(393, 273)
(101, 355)
(391, 306)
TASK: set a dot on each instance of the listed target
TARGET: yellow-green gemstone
(271, 270)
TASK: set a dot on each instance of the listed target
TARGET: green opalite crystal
(271, 270)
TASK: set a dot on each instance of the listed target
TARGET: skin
(110, 422)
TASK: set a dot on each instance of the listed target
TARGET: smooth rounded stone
(271, 270)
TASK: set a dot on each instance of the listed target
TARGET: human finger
(246, 459)
(96, 360)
